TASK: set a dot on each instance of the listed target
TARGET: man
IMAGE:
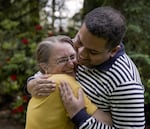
(107, 75)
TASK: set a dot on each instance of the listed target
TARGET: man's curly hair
(107, 23)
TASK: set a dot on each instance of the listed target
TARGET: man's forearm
(30, 85)
(27, 88)
(84, 121)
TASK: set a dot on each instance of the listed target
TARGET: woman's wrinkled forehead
(63, 49)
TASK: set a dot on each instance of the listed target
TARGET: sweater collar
(108, 64)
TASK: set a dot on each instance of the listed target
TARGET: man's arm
(39, 86)
(26, 90)
(127, 110)
(76, 108)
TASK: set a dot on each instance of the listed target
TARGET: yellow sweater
(49, 112)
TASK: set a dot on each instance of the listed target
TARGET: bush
(143, 63)
(17, 62)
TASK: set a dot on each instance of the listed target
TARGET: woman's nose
(71, 63)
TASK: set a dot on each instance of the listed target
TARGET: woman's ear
(44, 67)
(115, 50)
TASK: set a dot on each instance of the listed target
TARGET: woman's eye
(63, 60)
(72, 57)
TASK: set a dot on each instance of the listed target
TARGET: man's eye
(78, 43)
(94, 52)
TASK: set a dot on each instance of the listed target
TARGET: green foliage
(8, 24)
(20, 32)
(18, 111)
(17, 63)
(143, 63)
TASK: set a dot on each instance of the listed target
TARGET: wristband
(80, 117)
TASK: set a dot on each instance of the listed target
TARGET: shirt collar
(108, 64)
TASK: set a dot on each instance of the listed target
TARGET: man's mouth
(82, 61)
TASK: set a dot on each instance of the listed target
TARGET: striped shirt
(114, 87)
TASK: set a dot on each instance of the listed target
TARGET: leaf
(8, 24)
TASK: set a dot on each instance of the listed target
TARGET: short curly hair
(108, 23)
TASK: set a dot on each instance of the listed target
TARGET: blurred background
(24, 23)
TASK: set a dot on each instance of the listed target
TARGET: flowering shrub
(17, 63)
(143, 64)
(19, 107)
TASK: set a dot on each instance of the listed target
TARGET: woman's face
(62, 59)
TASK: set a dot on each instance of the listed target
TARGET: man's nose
(84, 53)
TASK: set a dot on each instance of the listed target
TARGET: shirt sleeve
(89, 106)
(127, 109)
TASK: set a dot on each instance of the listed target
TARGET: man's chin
(86, 64)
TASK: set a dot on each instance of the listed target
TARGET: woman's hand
(41, 86)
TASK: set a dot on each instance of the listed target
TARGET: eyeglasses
(64, 60)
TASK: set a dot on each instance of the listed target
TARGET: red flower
(18, 109)
(25, 98)
(25, 41)
(38, 27)
(13, 77)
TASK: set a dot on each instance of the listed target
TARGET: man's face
(91, 50)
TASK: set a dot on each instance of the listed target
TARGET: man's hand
(72, 104)
(41, 86)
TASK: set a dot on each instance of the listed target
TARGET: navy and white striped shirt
(114, 87)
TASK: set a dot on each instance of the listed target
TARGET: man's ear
(115, 50)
